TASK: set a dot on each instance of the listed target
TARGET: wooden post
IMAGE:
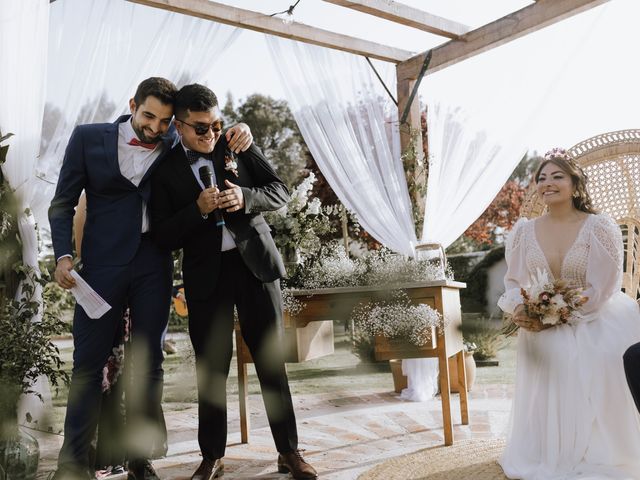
(411, 147)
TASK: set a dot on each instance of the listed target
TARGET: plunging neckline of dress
(564, 258)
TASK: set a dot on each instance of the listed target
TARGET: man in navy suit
(235, 264)
(112, 163)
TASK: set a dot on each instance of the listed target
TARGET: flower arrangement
(334, 268)
(554, 303)
(299, 225)
(397, 317)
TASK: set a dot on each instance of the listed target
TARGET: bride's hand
(523, 320)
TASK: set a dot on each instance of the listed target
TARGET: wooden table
(323, 306)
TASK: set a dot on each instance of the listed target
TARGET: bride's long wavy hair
(564, 160)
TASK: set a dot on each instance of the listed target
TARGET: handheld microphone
(207, 178)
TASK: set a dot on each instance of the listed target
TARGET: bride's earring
(576, 194)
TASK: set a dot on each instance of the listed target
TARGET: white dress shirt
(134, 161)
(228, 243)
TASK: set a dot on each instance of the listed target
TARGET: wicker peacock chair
(612, 164)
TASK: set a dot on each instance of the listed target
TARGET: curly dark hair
(566, 162)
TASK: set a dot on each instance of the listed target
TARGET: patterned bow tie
(137, 143)
(193, 157)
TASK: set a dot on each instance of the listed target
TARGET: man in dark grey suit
(235, 264)
(112, 163)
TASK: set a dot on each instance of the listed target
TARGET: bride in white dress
(573, 416)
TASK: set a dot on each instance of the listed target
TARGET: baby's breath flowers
(334, 268)
(397, 317)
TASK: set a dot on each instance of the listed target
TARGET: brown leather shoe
(293, 463)
(209, 469)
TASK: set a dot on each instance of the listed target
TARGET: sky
(582, 73)
(327, 16)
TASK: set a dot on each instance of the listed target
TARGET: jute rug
(464, 460)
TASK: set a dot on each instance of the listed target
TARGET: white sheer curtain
(23, 66)
(350, 126)
(481, 114)
(100, 50)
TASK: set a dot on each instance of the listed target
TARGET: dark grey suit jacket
(176, 221)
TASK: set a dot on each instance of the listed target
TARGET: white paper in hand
(92, 303)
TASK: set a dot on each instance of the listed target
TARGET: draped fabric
(23, 66)
(350, 125)
(482, 115)
(100, 50)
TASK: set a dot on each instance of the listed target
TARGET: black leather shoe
(141, 470)
(294, 464)
(71, 472)
(209, 469)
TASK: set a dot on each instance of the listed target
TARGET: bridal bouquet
(553, 303)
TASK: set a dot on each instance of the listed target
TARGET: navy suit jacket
(114, 204)
(176, 221)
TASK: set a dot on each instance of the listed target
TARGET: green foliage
(485, 336)
(58, 303)
(474, 297)
(4, 148)
(9, 239)
(26, 347)
(416, 175)
(274, 130)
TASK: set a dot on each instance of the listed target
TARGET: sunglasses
(216, 127)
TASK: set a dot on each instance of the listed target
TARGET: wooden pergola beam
(515, 25)
(260, 22)
(406, 15)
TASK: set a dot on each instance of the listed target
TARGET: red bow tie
(137, 143)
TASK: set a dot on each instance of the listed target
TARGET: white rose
(551, 318)
(558, 301)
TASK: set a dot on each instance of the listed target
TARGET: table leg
(445, 395)
(462, 382)
(243, 390)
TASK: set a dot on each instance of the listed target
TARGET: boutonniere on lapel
(230, 162)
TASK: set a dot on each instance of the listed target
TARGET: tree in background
(274, 130)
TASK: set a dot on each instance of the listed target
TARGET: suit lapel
(183, 173)
(111, 147)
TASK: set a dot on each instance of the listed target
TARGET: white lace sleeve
(604, 265)
(516, 275)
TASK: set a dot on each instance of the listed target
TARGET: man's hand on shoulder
(231, 199)
(63, 273)
(239, 137)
